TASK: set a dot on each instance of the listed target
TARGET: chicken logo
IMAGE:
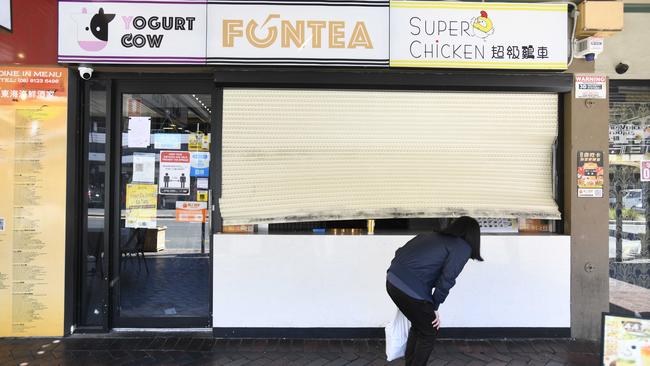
(92, 30)
(482, 26)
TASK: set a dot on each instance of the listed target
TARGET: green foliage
(627, 213)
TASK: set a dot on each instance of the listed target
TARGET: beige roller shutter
(307, 155)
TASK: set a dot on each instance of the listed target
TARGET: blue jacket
(428, 261)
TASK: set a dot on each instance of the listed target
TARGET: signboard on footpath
(478, 35)
(625, 340)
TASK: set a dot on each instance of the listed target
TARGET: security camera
(622, 68)
(85, 72)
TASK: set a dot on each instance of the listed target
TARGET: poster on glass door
(174, 174)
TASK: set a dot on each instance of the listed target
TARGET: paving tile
(170, 343)
(437, 362)
(496, 363)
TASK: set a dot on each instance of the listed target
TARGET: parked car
(633, 198)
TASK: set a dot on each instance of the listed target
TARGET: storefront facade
(259, 186)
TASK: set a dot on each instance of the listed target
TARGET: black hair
(469, 230)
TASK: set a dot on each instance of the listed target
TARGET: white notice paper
(139, 131)
(144, 167)
(167, 141)
(202, 183)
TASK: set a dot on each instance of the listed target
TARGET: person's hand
(436, 322)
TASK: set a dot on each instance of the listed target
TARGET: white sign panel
(591, 87)
(312, 33)
(478, 35)
(127, 32)
(202, 183)
(5, 14)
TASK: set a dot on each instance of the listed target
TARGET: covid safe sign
(132, 32)
(380, 33)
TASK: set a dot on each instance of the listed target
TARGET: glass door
(162, 264)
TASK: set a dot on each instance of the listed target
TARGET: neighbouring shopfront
(251, 169)
(629, 259)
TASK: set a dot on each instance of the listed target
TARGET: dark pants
(422, 334)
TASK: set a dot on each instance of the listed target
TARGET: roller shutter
(307, 155)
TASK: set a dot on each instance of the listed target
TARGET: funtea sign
(369, 33)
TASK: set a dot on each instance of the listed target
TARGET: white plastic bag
(397, 333)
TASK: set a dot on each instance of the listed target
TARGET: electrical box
(599, 18)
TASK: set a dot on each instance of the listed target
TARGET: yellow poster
(195, 141)
(198, 141)
(202, 196)
(141, 205)
(33, 126)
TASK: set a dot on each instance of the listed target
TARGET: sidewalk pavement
(192, 349)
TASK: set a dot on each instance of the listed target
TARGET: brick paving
(634, 299)
(192, 349)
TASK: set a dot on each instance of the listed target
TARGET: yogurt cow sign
(132, 32)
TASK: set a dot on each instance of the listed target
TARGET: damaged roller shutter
(308, 155)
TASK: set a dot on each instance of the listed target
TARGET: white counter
(317, 281)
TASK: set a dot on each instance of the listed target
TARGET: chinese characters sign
(32, 85)
(478, 35)
(590, 174)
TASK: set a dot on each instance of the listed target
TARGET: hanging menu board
(32, 208)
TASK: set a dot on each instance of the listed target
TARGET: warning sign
(591, 87)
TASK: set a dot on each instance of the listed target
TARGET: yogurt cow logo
(92, 30)
(482, 26)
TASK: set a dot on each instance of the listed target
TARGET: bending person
(428, 261)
